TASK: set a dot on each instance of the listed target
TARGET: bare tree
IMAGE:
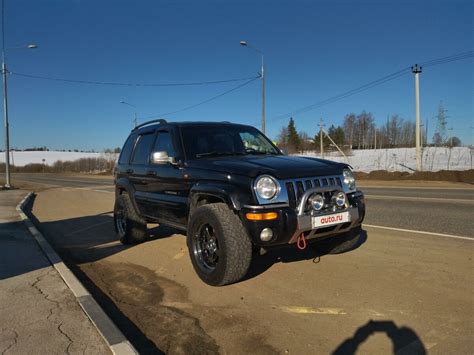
(348, 126)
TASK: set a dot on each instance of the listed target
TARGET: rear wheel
(219, 246)
(130, 227)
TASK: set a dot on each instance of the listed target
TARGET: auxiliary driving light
(317, 202)
(340, 199)
(266, 234)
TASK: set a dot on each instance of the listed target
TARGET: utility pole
(135, 118)
(263, 98)
(375, 138)
(321, 133)
(421, 136)
(6, 127)
(426, 134)
(262, 76)
(417, 70)
(5, 99)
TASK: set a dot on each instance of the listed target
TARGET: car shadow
(88, 238)
(83, 240)
(404, 339)
(314, 250)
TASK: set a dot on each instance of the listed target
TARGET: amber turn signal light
(268, 216)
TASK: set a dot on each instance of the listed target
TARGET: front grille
(297, 187)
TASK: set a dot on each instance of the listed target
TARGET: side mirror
(284, 151)
(162, 158)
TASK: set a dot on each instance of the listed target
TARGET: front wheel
(219, 246)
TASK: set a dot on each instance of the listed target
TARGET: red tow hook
(301, 242)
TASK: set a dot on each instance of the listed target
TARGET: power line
(451, 58)
(372, 84)
(332, 99)
(89, 82)
(202, 102)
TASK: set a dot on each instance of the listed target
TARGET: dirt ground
(397, 291)
(465, 176)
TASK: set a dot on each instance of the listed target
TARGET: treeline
(84, 165)
(46, 149)
(358, 131)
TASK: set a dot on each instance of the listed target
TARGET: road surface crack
(67, 337)
(15, 339)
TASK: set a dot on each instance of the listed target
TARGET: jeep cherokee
(232, 191)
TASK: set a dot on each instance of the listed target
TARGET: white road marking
(466, 187)
(107, 245)
(311, 310)
(87, 228)
(36, 182)
(427, 199)
(88, 189)
(107, 192)
(419, 232)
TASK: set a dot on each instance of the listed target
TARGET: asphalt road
(57, 180)
(440, 209)
(398, 291)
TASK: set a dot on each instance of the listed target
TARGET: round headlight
(267, 187)
(349, 179)
(340, 199)
(316, 201)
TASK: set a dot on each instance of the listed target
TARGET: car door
(166, 190)
(138, 169)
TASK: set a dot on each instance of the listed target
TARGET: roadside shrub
(83, 165)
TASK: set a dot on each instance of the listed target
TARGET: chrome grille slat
(297, 187)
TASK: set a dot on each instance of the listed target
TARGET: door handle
(129, 171)
(151, 173)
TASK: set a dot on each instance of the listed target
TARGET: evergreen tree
(293, 137)
(337, 135)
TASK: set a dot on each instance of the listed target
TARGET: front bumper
(290, 223)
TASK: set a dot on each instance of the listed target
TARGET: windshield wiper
(259, 152)
(215, 153)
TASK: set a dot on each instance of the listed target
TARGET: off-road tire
(234, 245)
(134, 231)
(342, 243)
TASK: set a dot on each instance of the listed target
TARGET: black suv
(232, 191)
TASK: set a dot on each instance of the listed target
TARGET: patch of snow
(404, 159)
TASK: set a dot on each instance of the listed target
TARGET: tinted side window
(127, 150)
(141, 154)
(164, 143)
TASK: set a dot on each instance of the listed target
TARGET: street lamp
(5, 103)
(245, 44)
(135, 120)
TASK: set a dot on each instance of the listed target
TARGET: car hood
(279, 166)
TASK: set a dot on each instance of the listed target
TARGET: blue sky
(313, 50)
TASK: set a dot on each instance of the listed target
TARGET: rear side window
(164, 143)
(141, 154)
(127, 150)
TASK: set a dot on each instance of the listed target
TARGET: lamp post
(262, 74)
(5, 98)
(417, 70)
(135, 120)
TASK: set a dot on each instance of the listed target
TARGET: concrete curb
(114, 338)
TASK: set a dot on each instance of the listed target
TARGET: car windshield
(214, 141)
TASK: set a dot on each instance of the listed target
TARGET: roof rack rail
(160, 121)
